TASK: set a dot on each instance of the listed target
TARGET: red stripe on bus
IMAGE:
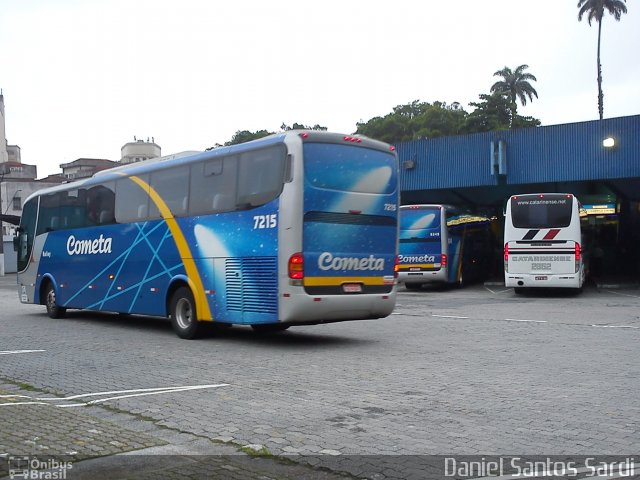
(551, 234)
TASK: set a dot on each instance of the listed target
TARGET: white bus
(543, 242)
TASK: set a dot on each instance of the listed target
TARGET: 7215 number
(265, 221)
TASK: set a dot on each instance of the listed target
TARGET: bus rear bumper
(430, 276)
(300, 309)
(519, 280)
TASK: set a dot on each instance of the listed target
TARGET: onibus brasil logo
(25, 467)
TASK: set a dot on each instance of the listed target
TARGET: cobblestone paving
(96, 448)
(48, 431)
(473, 371)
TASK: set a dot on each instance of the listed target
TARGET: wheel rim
(184, 313)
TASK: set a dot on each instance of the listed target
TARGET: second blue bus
(443, 244)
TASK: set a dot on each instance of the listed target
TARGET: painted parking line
(500, 292)
(12, 352)
(115, 395)
(624, 294)
(615, 326)
(518, 320)
(523, 320)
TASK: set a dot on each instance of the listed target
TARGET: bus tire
(183, 314)
(53, 309)
(413, 286)
(518, 290)
(269, 327)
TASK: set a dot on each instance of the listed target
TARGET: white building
(139, 150)
(18, 181)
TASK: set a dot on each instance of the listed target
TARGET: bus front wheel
(53, 309)
(184, 319)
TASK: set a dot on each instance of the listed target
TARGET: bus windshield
(348, 168)
(550, 211)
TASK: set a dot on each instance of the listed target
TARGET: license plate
(352, 288)
(543, 277)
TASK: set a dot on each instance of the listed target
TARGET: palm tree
(595, 11)
(515, 84)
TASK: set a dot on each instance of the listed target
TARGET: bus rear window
(419, 219)
(349, 168)
(551, 211)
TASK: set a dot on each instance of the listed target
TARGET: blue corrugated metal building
(486, 168)
(598, 161)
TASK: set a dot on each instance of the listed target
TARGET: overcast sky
(81, 77)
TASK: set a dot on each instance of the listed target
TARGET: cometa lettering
(88, 247)
(327, 261)
(416, 258)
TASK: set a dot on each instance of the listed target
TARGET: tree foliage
(516, 84)
(242, 136)
(424, 120)
(494, 112)
(415, 120)
(299, 126)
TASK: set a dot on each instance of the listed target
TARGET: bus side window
(49, 218)
(173, 187)
(132, 201)
(261, 175)
(213, 186)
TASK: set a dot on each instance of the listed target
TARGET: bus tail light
(578, 257)
(296, 266)
(506, 257)
(443, 260)
(396, 267)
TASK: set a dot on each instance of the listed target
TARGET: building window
(17, 203)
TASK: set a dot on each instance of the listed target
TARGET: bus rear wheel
(184, 318)
(53, 309)
(413, 286)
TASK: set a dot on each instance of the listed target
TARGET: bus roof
(188, 157)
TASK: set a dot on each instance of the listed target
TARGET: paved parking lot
(476, 371)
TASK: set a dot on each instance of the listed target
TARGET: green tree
(415, 120)
(299, 126)
(594, 9)
(516, 84)
(494, 112)
(242, 136)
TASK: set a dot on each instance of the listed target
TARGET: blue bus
(295, 228)
(443, 244)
